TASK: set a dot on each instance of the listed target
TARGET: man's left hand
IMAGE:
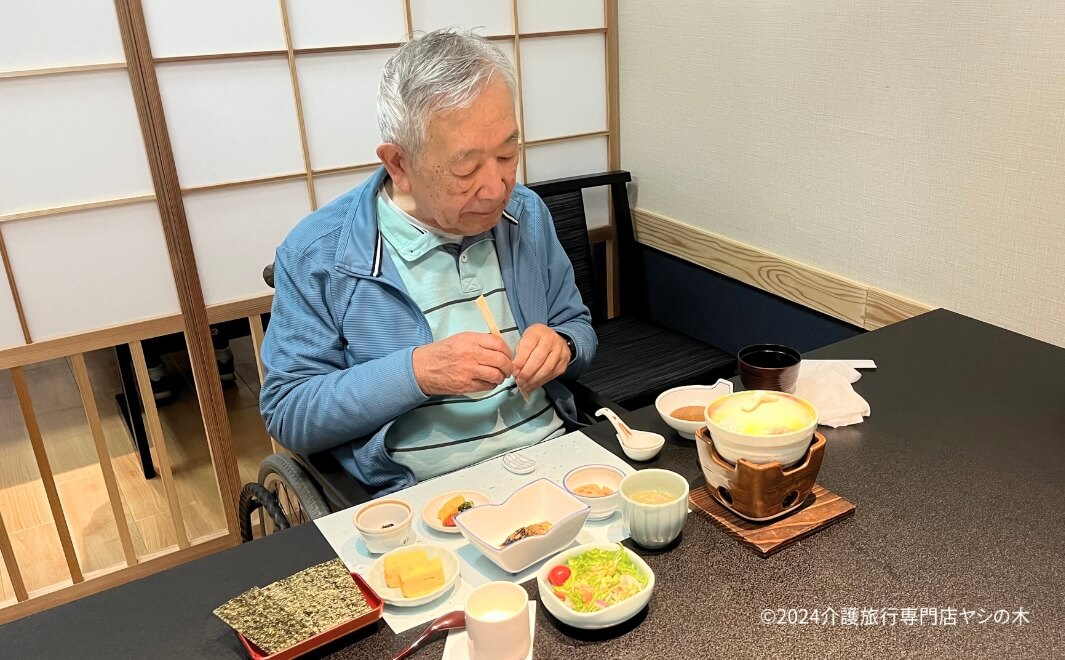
(541, 357)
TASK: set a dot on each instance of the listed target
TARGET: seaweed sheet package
(296, 608)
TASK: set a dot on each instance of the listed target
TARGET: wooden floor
(79, 479)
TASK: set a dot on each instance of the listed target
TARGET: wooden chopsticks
(482, 305)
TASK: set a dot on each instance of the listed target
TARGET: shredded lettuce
(599, 579)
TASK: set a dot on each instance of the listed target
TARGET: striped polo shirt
(445, 274)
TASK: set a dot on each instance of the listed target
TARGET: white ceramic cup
(497, 622)
(384, 524)
(654, 525)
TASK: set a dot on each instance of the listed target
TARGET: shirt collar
(409, 238)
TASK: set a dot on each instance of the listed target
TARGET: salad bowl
(600, 571)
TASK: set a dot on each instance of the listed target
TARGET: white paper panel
(339, 92)
(551, 15)
(487, 17)
(10, 330)
(231, 120)
(564, 85)
(69, 139)
(328, 187)
(39, 34)
(201, 27)
(573, 158)
(235, 232)
(91, 269)
(316, 23)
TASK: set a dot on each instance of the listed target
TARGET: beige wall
(917, 146)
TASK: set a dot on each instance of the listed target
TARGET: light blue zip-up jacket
(337, 353)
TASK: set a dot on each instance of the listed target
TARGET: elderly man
(376, 349)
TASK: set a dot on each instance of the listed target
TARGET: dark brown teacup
(769, 367)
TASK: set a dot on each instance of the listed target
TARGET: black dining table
(956, 549)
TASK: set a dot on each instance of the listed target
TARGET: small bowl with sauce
(384, 524)
(597, 486)
(684, 408)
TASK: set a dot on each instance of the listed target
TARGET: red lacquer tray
(377, 607)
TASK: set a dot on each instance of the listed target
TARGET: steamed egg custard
(760, 413)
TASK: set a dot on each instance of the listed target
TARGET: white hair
(439, 70)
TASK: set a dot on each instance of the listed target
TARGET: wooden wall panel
(853, 302)
(883, 308)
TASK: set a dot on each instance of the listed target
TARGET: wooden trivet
(821, 509)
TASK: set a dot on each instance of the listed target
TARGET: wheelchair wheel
(296, 493)
(253, 498)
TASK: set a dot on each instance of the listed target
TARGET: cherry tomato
(558, 575)
(449, 521)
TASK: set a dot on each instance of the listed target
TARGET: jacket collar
(360, 250)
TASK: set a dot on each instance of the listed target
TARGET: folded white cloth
(827, 385)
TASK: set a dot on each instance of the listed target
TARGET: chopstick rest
(518, 463)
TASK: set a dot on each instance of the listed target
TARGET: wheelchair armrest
(340, 489)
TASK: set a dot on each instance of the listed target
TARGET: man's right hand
(462, 363)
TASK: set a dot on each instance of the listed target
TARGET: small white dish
(603, 506)
(605, 618)
(487, 526)
(394, 596)
(689, 395)
(432, 507)
(384, 524)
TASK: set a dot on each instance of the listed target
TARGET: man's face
(462, 179)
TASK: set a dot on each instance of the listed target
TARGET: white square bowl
(487, 526)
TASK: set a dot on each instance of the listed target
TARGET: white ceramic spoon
(637, 445)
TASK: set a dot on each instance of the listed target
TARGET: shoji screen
(271, 108)
(83, 245)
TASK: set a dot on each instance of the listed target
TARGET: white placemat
(553, 458)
